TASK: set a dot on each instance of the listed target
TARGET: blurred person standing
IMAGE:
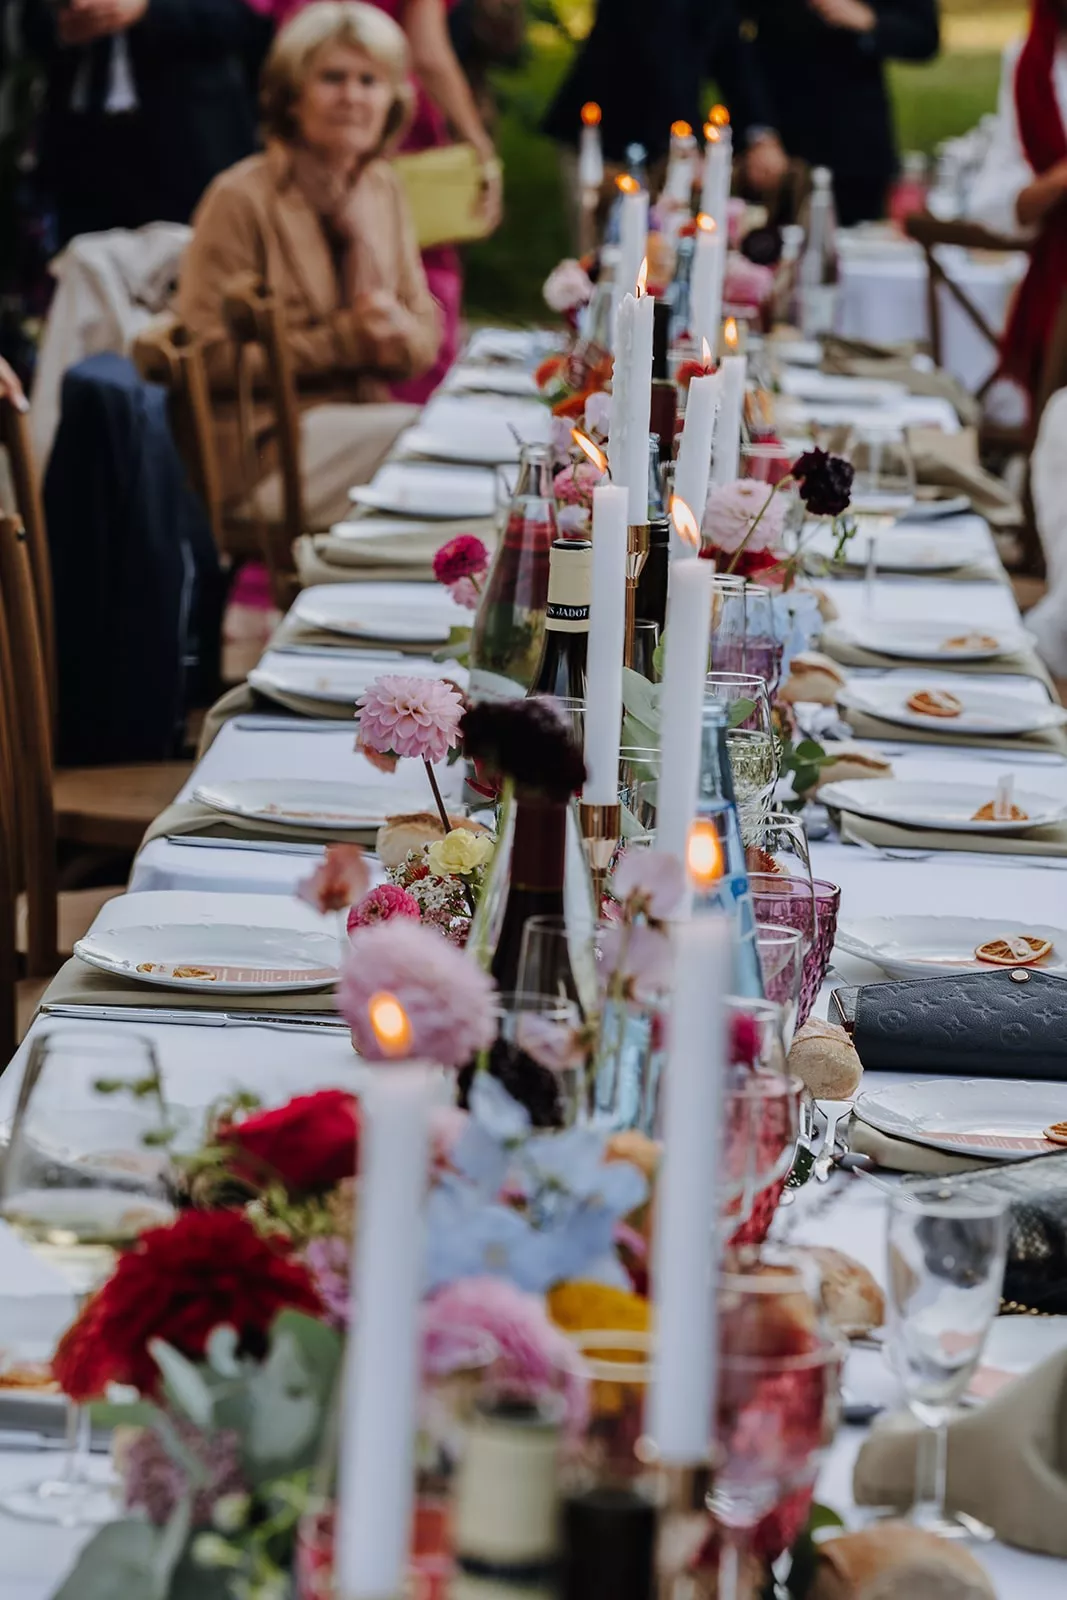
(445, 110)
(823, 62)
(145, 102)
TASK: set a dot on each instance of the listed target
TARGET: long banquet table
(847, 1213)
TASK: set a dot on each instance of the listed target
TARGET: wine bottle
(716, 804)
(664, 392)
(609, 1545)
(651, 604)
(817, 269)
(508, 632)
(561, 672)
(506, 1526)
(656, 505)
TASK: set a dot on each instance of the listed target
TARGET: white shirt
(1006, 172)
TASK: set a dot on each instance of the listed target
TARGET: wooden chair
(15, 438)
(38, 924)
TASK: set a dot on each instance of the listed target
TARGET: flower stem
(438, 801)
(757, 519)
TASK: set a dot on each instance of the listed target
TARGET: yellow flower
(587, 1307)
(459, 852)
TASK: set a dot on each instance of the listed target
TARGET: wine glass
(646, 642)
(884, 472)
(547, 1053)
(763, 648)
(617, 1364)
(754, 750)
(638, 782)
(85, 1175)
(727, 645)
(781, 959)
(571, 711)
(557, 957)
(946, 1269)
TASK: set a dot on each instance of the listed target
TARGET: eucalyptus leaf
(221, 1352)
(809, 750)
(631, 828)
(285, 1410)
(184, 1383)
(641, 698)
(637, 736)
(172, 1542)
(119, 1560)
(131, 1414)
(738, 712)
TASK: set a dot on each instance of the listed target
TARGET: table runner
(1022, 664)
(902, 1155)
(865, 726)
(76, 984)
(205, 821)
(1047, 841)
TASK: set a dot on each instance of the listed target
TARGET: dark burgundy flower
(207, 1270)
(528, 741)
(462, 557)
(824, 481)
(309, 1144)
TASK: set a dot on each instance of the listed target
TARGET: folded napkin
(857, 358)
(865, 726)
(243, 701)
(951, 462)
(192, 817)
(406, 551)
(1023, 664)
(1048, 841)
(985, 569)
(1007, 1462)
(77, 984)
(293, 630)
(902, 1155)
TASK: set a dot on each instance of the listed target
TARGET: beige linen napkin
(244, 701)
(406, 553)
(951, 462)
(868, 727)
(857, 358)
(1024, 664)
(1049, 841)
(77, 984)
(1007, 1463)
(292, 630)
(902, 1155)
(192, 817)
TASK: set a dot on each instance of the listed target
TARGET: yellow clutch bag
(444, 190)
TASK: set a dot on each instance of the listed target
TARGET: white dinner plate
(214, 958)
(491, 378)
(917, 639)
(992, 1119)
(984, 711)
(410, 613)
(483, 447)
(438, 493)
(918, 947)
(339, 678)
(311, 803)
(801, 383)
(932, 506)
(949, 807)
(899, 548)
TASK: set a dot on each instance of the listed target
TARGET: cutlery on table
(833, 1111)
(325, 1022)
(295, 724)
(272, 847)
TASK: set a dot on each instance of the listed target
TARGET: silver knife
(273, 847)
(198, 1019)
(297, 724)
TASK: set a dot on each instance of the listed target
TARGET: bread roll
(827, 609)
(896, 1562)
(851, 1298)
(825, 1058)
(853, 761)
(402, 834)
(812, 677)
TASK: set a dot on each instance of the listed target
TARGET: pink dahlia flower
(567, 287)
(383, 903)
(450, 1002)
(465, 592)
(574, 485)
(462, 557)
(732, 509)
(401, 716)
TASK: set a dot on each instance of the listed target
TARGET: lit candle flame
(686, 525)
(390, 1023)
(705, 223)
(590, 448)
(711, 133)
(681, 130)
(704, 855)
(719, 117)
(642, 278)
(730, 336)
(591, 114)
(627, 185)
(705, 354)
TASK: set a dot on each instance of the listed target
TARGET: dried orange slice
(759, 860)
(1016, 950)
(934, 703)
(988, 813)
(971, 641)
(1057, 1133)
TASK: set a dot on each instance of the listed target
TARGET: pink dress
(444, 270)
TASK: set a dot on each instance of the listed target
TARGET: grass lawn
(505, 273)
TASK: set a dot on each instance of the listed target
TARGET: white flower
(567, 287)
(230, 1512)
(210, 1550)
(598, 413)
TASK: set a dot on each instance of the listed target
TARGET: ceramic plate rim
(1033, 718)
(953, 1085)
(210, 794)
(320, 619)
(94, 956)
(967, 826)
(905, 966)
(849, 632)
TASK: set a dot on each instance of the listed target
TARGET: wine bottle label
(570, 578)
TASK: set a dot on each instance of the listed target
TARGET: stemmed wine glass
(782, 951)
(84, 1176)
(754, 751)
(727, 645)
(763, 648)
(946, 1268)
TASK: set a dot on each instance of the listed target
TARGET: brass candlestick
(601, 830)
(636, 556)
(683, 1530)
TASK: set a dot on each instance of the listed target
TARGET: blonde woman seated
(321, 220)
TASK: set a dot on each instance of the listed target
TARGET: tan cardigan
(254, 219)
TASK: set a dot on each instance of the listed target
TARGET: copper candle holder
(601, 831)
(636, 555)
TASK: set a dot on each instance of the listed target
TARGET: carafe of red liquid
(509, 628)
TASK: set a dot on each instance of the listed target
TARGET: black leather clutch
(1010, 1022)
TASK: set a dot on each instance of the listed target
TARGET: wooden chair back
(16, 440)
(166, 352)
(10, 854)
(255, 324)
(28, 713)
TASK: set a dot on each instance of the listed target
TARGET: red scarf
(1045, 143)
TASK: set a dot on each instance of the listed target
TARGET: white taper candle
(708, 278)
(607, 640)
(685, 667)
(376, 1465)
(693, 468)
(726, 463)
